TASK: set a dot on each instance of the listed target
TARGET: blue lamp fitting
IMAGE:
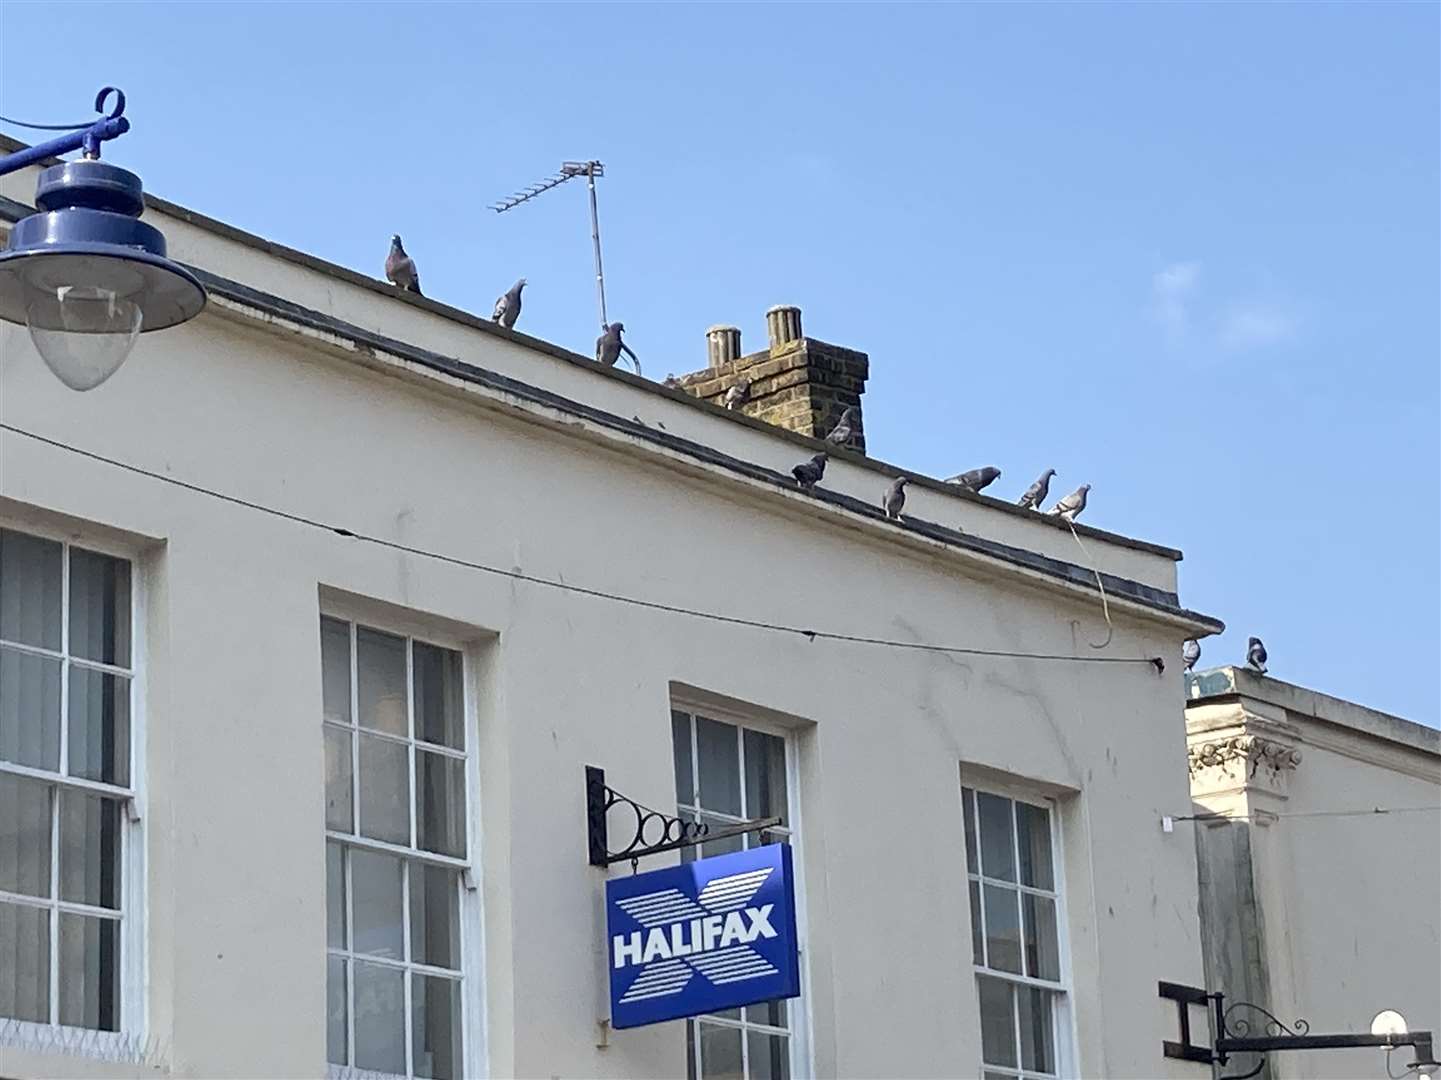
(84, 273)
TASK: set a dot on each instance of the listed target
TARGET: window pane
(1043, 954)
(334, 896)
(335, 669)
(434, 915)
(770, 1056)
(439, 715)
(968, 798)
(380, 680)
(718, 847)
(338, 804)
(769, 1012)
(998, 1022)
(720, 783)
(1003, 929)
(1033, 836)
(379, 1018)
(440, 803)
(435, 1026)
(89, 849)
(24, 836)
(765, 775)
(997, 840)
(29, 589)
(376, 914)
(335, 1027)
(384, 790)
(99, 726)
(29, 709)
(680, 746)
(720, 1051)
(1038, 1050)
(99, 607)
(89, 972)
(977, 935)
(25, 972)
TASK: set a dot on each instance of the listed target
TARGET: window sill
(350, 1072)
(112, 1046)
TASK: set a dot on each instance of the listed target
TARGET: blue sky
(1188, 254)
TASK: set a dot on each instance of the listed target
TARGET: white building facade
(312, 617)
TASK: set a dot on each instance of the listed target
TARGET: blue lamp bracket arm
(85, 138)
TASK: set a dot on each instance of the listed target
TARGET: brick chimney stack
(797, 383)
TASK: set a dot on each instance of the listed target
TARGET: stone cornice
(1241, 756)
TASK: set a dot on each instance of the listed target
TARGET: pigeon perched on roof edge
(845, 427)
(609, 346)
(1190, 652)
(809, 473)
(1071, 506)
(895, 497)
(737, 395)
(1037, 492)
(507, 308)
(976, 479)
(1256, 655)
(400, 268)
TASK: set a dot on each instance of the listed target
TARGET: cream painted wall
(234, 762)
(1353, 904)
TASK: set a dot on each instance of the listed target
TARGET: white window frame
(416, 628)
(1063, 1012)
(802, 1050)
(128, 1042)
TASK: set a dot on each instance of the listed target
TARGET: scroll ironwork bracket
(654, 832)
(1233, 1032)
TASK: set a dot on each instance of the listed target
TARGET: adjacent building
(1317, 837)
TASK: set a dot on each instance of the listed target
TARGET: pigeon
(1036, 493)
(808, 473)
(671, 381)
(976, 479)
(737, 395)
(507, 308)
(1071, 506)
(1190, 652)
(844, 429)
(400, 268)
(895, 497)
(609, 346)
(1256, 655)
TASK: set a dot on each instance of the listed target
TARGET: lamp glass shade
(83, 332)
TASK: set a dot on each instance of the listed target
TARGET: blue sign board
(701, 937)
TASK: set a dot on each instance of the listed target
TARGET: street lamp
(83, 274)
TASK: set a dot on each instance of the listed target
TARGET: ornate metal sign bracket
(1234, 1034)
(655, 832)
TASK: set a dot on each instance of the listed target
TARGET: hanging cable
(517, 575)
(1105, 605)
(45, 127)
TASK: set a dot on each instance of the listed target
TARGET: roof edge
(12, 210)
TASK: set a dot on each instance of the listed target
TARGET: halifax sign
(701, 937)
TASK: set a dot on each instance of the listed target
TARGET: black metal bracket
(1233, 1034)
(655, 832)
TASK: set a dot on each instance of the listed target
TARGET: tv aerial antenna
(569, 170)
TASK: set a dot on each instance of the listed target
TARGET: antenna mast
(569, 170)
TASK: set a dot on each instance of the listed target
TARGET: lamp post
(83, 274)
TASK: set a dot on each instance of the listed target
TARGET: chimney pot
(783, 324)
(723, 344)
